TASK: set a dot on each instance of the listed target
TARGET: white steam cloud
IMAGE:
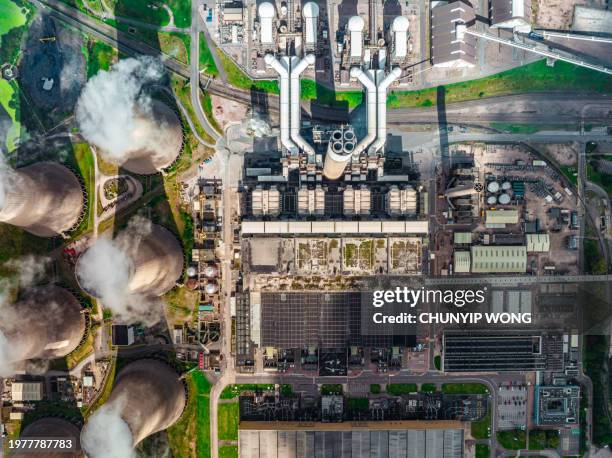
(113, 112)
(106, 434)
(106, 269)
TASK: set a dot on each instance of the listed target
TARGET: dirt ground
(227, 111)
(556, 14)
(563, 153)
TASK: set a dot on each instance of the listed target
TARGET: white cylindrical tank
(266, 16)
(211, 271)
(491, 200)
(399, 27)
(506, 185)
(311, 16)
(192, 272)
(355, 28)
(504, 199)
(45, 198)
(148, 397)
(211, 288)
(493, 187)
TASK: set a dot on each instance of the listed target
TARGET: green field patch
(464, 388)
(9, 100)
(207, 61)
(483, 451)
(11, 16)
(229, 415)
(100, 56)
(401, 388)
(233, 391)
(541, 439)
(514, 439)
(228, 451)
(428, 387)
(481, 429)
(331, 389)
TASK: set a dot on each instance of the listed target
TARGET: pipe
(381, 109)
(283, 73)
(296, 71)
(366, 81)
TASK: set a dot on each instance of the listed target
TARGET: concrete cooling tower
(51, 428)
(148, 396)
(154, 258)
(46, 323)
(148, 161)
(45, 199)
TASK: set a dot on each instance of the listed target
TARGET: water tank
(210, 271)
(506, 185)
(192, 271)
(493, 187)
(504, 199)
(491, 200)
(211, 288)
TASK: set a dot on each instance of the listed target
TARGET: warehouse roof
(502, 217)
(26, 391)
(491, 259)
(335, 227)
(462, 262)
(538, 242)
(462, 237)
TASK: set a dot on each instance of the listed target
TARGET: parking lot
(512, 406)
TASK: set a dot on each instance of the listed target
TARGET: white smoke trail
(105, 271)
(114, 113)
(106, 434)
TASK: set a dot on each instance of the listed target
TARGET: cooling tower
(45, 199)
(148, 396)
(147, 161)
(46, 323)
(155, 260)
(51, 428)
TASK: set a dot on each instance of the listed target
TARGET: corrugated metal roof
(462, 237)
(506, 259)
(502, 217)
(462, 262)
(538, 243)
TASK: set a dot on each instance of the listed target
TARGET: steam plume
(106, 434)
(113, 111)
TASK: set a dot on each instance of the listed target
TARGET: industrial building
(46, 199)
(499, 259)
(148, 396)
(501, 217)
(557, 405)
(335, 227)
(22, 391)
(449, 47)
(511, 14)
(357, 443)
(46, 323)
(501, 351)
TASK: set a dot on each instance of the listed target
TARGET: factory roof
(27, 391)
(507, 12)
(462, 237)
(507, 259)
(335, 227)
(502, 217)
(538, 242)
(462, 262)
(449, 49)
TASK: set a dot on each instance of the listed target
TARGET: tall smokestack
(52, 428)
(148, 397)
(46, 323)
(45, 199)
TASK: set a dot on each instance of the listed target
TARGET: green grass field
(9, 101)
(236, 77)
(464, 388)
(533, 77)
(207, 62)
(100, 56)
(483, 451)
(401, 388)
(428, 387)
(228, 421)
(194, 423)
(84, 163)
(233, 391)
(514, 439)
(482, 429)
(11, 16)
(153, 12)
(228, 451)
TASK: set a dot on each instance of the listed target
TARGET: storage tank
(147, 161)
(506, 185)
(266, 16)
(491, 200)
(504, 199)
(52, 428)
(211, 271)
(148, 397)
(399, 27)
(355, 28)
(311, 16)
(493, 187)
(154, 257)
(45, 323)
(211, 288)
(45, 199)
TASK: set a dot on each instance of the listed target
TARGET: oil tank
(493, 187)
(145, 161)
(504, 199)
(491, 200)
(155, 259)
(148, 396)
(50, 428)
(46, 323)
(45, 199)
(506, 185)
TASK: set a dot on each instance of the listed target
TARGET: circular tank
(491, 200)
(148, 395)
(311, 9)
(51, 428)
(45, 199)
(400, 24)
(283, 10)
(46, 323)
(504, 199)
(266, 10)
(146, 161)
(211, 288)
(210, 271)
(356, 24)
(192, 271)
(506, 185)
(493, 186)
